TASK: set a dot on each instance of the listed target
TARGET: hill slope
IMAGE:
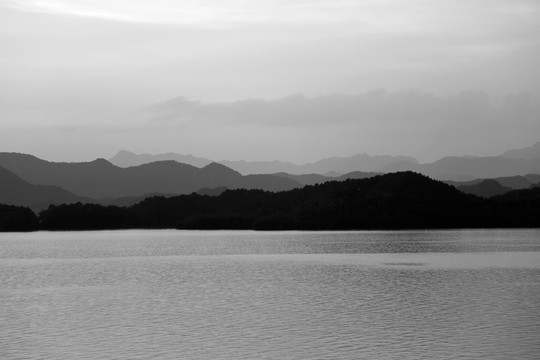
(100, 179)
(463, 168)
(485, 188)
(528, 153)
(126, 158)
(393, 201)
(341, 165)
(16, 191)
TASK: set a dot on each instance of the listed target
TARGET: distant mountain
(511, 182)
(528, 153)
(212, 192)
(126, 158)
(518, 182)
(463, 169)
(265, 167)
(336, 165)
(533, 178)
(485, 188)
(342, 165)
(312, 179)
(99, 179)
(306, 179)
(16, 191)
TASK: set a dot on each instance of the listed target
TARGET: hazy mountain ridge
(463, 169)
(496, 186)
(528, 153)
(485, 188)
(126, 158)
(457, 168)
(100, 179)
(342, 165)
(312, 179)
(16, 191)
(516, 182)
(102, 182)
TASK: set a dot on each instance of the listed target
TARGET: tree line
(403, 200)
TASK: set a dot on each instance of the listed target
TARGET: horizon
(479, 105)
(109, 158)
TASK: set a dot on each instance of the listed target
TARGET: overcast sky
(295, 80)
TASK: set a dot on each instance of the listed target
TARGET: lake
(169, 294)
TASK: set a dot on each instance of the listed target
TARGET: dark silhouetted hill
(17, 218)
(531, 195)
(16, 191)
(100, 179)
(128, 200)
(356, 175)
(85, 217)
(393, 201)
(518, 208)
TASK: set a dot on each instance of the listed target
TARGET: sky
(293, 80)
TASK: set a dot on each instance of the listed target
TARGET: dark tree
(17, 218)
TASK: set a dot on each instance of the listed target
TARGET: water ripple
(273, 305)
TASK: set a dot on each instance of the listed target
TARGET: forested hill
(404, 200)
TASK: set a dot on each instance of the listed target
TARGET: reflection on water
(247, 295)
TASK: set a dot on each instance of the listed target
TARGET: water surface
(270, 295)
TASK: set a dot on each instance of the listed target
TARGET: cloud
(382, 16)
(379, 106)
(299, 128)
(266, 48)
(202, 13)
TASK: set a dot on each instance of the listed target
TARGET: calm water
(292, 295)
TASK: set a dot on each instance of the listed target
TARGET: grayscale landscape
(269, 179)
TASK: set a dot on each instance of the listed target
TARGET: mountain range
(513, 162)
(403, 200)
(16, 191)
(99, 179)
(516, 182)
(336, 165)
(126, 158)
(464, 168)
(496, 186)
(30, 181)
(527, 153)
